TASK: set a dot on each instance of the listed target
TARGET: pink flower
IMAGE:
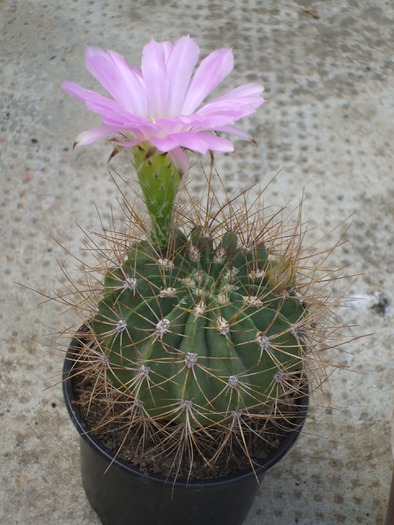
(161, 103)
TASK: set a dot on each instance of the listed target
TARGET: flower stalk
(159, 180)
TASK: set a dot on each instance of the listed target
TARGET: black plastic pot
(121, 495)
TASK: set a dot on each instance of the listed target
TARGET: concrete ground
(327, 127)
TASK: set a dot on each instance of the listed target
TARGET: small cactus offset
(201, 328)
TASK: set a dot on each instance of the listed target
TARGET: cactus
(199, 344)
(211, 318)
(201, 328)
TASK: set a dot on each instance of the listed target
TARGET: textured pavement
(327, 128)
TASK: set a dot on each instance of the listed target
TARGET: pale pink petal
(125, 84)
(202, 142)
(127, 143)
(246, 90)
(165, 127)
(199, 142)
(135, 89)
(236, 132)
(237, 103)
(166, 143)
(94, 101)
(167, 48)
(87, 96)
(112, 113)
(91, 135)
(179, 158)
(198, 123)
(154, 72)
(211, 122)
(180, 65)
(212, 70)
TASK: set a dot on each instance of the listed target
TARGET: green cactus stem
(159, 180)
(201, 329)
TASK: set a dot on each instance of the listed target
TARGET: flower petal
(91, 135)
(180, 65)
(94, 101)
(154, 72)
(127, 143)
(236, 132)
(199, 142)
(179, 158)
(212, 70)
(111, 112)
(125, 84)
(236, 103)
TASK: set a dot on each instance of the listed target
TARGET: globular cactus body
(201, 330)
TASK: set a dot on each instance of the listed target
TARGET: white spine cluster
(219, 254)
(194, 253)
(191, 359)
(187, 405)
(223, 326)
(103, 360)
(121, 326)
(129, 283)
(165, 263)
(279, 377)
(263, 341)
(162, 327)
(232, 272)
(199, 309)
(253, 300)
(144, 372)
(168, 293)
(257, 275)
(233, 381)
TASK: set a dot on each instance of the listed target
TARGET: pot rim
(85, 433)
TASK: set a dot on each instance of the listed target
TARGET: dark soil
(150, 455)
